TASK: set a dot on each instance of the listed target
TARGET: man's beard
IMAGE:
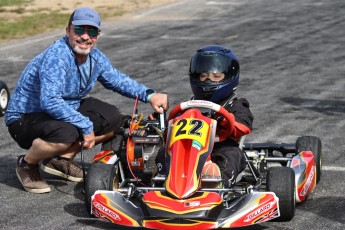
(81, 51)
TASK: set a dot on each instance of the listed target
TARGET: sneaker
(29, 176)
(64, 168)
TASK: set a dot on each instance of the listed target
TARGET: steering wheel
(228, 117)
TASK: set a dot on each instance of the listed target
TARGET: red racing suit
(227, 154)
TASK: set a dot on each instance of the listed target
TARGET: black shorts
(105, 118)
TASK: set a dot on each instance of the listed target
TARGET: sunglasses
(91, 31)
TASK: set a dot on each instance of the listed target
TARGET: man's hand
(89, 140)
(159, 100)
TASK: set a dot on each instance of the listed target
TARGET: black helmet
(214, 59)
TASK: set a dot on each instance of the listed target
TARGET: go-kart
(4, 98)
(123, 187)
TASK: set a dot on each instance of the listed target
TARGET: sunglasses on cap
(91, 31)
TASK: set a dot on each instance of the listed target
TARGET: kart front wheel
(100, 177)
(281, 181)
(4, 98)
(311, 143)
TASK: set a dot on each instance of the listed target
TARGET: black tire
(4, 98)
(281, 181)
(99, 177)
(311, 143)
(112, 144)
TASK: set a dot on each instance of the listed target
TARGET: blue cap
(86, 16)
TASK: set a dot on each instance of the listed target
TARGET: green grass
(12, 2)
(40, 21)
(23, 26)
(31, 25)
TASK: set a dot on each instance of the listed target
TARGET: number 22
(197, 125)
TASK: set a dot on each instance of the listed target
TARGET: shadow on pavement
(327, 107)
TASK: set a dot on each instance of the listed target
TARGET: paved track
(292, 72)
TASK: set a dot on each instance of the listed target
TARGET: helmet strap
(230, 100)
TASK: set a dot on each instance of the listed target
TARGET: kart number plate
(189, 128)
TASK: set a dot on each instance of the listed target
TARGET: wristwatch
(149, 93)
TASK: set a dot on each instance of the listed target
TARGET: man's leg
(75, 148)
(106, 120)
(57, 143)
(63, 165)
(41, 150)
(27, 132)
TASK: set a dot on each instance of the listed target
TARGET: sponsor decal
(135, 163)
(259, 211)
(106, 210)
(192, 204)
(103, 156)
(159, 166)
(270, 216)
(196, 145)
(200, 102)
(308, 182)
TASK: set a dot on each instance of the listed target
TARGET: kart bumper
(157, 210)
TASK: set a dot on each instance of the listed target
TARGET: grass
(31, 25)
(18, 22)
(13, 2)
(39, 21)
(22, 26)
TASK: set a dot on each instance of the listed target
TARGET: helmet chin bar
(207, 96)
(208, 92)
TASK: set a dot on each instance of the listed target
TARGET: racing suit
(227, 154)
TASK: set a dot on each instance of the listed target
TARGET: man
(49, 114)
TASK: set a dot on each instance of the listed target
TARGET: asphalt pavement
(292, 72)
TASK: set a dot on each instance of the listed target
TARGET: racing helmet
(214, 59)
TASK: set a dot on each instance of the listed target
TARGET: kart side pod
(303, 165)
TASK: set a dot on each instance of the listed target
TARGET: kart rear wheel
(112, 144)
(281, 181)
(311, 143)
(4, 98)
(100, 177)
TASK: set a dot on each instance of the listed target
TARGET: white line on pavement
(333, 168)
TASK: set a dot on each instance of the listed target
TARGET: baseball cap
(85, 16)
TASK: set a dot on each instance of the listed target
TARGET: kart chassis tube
(133, 188)
(283, 148)
(270, 147)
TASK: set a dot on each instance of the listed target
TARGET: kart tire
(311, 143)
(112, 144)
(281, 181)
(99, 177)
(4, 98)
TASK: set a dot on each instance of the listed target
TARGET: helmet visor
(209, 62)
(216, 77)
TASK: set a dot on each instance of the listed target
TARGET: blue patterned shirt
(50, 83)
